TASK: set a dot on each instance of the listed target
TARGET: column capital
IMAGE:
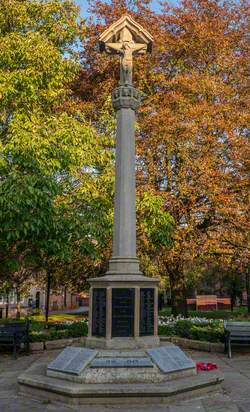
(126, 97)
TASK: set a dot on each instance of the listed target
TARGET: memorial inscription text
(99, 312)
(123, 312)
(146, 311)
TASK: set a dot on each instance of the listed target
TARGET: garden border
(201, 345)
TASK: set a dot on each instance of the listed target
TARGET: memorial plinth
(123, 312)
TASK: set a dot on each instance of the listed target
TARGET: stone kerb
(199, 345)
(184, 343)
(56, 344)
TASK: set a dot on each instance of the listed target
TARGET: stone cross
(125, 38)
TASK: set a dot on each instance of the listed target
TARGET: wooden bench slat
(7, 338)
(235, 331)
(228, 323)
(238, 332)
(247, 338)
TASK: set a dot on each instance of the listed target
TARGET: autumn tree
(193, 127)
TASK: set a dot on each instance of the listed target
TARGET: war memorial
(123, 360)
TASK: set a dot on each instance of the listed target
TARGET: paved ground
(234, 398)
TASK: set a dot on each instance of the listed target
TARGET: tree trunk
(49, 276)
(65, 297)
(7, 306)
(233, 299)
(178, 293)
(179, 303)
(233, 295)
(18, 305)
(248, 291)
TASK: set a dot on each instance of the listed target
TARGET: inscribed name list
(72, 360)
(170, 359)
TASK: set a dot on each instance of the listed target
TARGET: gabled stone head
(125, 30)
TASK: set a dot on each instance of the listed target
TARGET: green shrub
(239, 313)
(182, 328)
(36, 336)
(57, 331)
(206, 334)
(212, 331)
(166, 330)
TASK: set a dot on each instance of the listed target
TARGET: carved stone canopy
(125, 29)
(126, 38)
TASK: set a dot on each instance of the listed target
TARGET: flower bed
(192, 328)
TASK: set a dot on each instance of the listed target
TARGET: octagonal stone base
(35, 384)
(103, 383)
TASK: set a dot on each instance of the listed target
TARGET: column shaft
(124, 244)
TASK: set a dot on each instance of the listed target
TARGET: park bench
(223, 303)
(15, 334)
(206, 302)
(236, 332)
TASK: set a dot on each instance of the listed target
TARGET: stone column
(126, 99)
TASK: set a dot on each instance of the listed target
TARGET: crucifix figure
(126, 47)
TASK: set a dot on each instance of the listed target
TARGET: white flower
(172, 321)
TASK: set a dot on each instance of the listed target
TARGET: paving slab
(15, 404)
(244, 406)
(194, 406)
(219, 405)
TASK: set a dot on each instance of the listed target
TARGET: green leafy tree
(49, 154)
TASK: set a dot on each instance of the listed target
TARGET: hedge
(212, 331)
(57, 331)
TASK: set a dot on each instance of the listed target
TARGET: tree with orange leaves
(193, 129)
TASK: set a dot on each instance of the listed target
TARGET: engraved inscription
(99, 312)
(123, 312)
(146, 311)
(121, 363)
(170, 358)
(72, 360)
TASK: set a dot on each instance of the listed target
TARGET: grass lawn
(213, 314)
(53, 318)
(59, 317)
